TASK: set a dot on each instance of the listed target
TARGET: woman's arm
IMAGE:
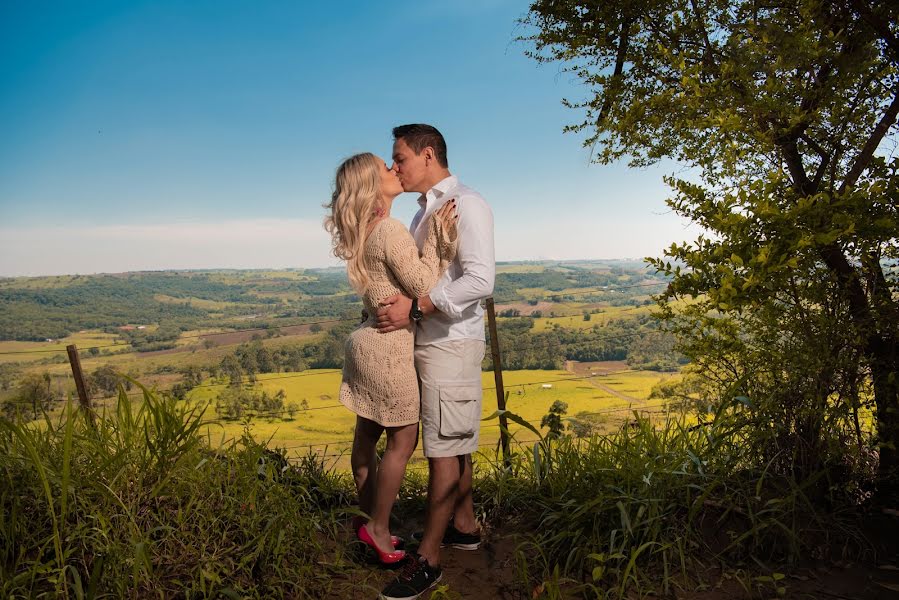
(416, 273)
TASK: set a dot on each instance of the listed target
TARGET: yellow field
(232, 277)
(194, 301)
(606, 314)
(189, 350)
(37, 283)
(83, 339)
(520, 268)
(328, 426)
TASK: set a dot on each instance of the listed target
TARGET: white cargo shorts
(449, 374)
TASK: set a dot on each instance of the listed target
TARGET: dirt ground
(491, 573)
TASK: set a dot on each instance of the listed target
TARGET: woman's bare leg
(401, 442)
(364, 461)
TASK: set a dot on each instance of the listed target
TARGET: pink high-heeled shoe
(387, 558)
(397, 541)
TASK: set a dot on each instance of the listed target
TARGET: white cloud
(576, 236)
(281, 243)
(238, 244)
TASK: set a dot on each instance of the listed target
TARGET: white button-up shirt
(469, 278)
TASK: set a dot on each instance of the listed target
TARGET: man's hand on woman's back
(394, 313)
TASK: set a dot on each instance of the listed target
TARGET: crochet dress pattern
(379, 379)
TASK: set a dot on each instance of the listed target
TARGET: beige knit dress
(379, 380)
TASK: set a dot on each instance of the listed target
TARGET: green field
(327, 426)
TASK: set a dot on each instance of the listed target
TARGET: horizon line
(313, 268)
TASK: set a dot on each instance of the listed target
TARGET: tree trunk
(873, 320)
(884, 357)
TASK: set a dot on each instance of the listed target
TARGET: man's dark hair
(419, 136)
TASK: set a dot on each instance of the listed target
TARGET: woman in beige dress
(379, 381)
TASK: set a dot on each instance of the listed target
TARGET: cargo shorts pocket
(460, 409)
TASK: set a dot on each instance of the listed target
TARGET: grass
(139, 505)
(643, 512)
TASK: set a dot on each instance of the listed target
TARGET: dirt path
(487, 573)
(608, 368)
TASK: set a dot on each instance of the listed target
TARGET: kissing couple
(417, 355)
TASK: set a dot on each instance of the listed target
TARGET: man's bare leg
(464, 519)
(443, 487)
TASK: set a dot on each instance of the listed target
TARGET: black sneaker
(415, 579)
(463, 541)
(455, 538)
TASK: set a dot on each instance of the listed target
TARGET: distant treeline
(36, 310)
(635, 340)
(107, 302)
(508, 285)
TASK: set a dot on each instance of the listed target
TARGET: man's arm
(476, 257)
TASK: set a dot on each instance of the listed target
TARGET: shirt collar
(439, 189)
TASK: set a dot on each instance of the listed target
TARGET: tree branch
(794, 165)
(825, 158)
(879, 23)
(849, 281)
(707, 55)
(864, 157)
(623, 42)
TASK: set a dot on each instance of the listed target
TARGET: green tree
(780, 109)
(230, 368)
(104, 380)
(553, 419)
(33, 392)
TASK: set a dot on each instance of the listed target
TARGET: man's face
(410, 167)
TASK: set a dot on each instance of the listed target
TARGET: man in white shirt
(449, 348)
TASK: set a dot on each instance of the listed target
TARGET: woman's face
(390, 183)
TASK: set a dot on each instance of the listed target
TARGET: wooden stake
(498, 378)
(83, 399)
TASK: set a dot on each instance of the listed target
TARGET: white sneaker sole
(473, 546)
(458, 545)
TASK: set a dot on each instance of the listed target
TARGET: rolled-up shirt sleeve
(475, 258)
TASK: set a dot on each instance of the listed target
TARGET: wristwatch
(415, 314)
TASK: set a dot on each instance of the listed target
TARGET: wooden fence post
(83, 399)
(498, 378)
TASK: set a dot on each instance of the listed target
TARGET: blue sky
(155, 135)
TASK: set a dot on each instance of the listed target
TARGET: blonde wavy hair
(356, 198)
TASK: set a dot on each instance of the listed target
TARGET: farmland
(175, 331)
(326, 427)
